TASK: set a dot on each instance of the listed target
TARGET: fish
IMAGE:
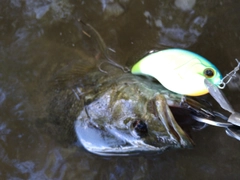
(119, 114)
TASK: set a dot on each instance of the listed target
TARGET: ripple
(4, 131)
(2, 96)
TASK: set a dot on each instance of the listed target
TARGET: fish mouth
(109, 140)
(185, 119)
(101, 142)
(112, 141)
(186, 112)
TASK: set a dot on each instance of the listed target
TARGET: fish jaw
(111, 142)
(166, 117)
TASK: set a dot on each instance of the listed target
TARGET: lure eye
(209, 72)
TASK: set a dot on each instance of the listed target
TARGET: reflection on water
(175, 30)
(37, 38)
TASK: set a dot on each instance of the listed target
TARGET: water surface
(38, 38)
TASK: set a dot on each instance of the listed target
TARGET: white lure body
(178, 70)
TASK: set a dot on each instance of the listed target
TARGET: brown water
(37, 38)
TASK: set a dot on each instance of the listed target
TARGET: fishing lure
(179, 70)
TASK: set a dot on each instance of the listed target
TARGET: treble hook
(233, 132)
(124, 69)
(104, 50)
(232, 126)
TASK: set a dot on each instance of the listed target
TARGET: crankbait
(179, 70)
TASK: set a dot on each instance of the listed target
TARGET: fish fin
(69, 76)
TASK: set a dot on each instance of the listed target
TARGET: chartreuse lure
(179, 70)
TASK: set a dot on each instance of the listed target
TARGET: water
(37, 38)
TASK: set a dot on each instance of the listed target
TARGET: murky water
(37, 38)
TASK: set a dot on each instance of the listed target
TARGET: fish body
(120, 114)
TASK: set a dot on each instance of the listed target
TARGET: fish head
(132, 117)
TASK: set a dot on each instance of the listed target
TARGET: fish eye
(140, 127)
(209, 72)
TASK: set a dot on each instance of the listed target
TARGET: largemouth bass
(119, 114)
